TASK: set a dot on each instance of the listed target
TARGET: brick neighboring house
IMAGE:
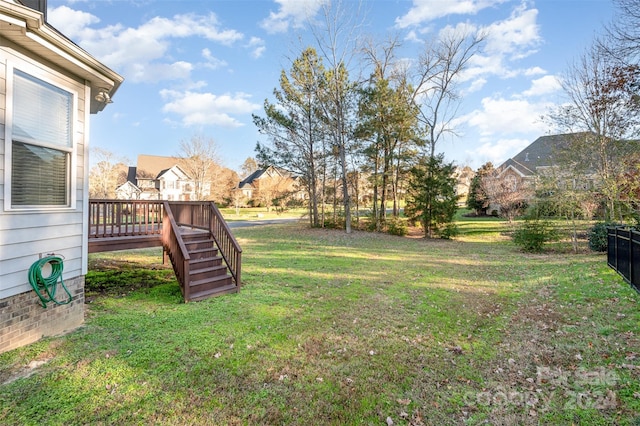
(264, 185)
(538, 159)
(517, 177)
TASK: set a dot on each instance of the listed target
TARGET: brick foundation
(23, 320)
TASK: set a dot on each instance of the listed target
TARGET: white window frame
(55, 79)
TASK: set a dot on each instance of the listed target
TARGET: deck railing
(177, 251)
(623, 253)
(206, 215)
(123, 218)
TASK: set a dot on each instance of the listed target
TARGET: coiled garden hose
(50, 283)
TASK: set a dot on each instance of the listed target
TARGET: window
(40, 143)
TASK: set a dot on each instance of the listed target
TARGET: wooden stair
(194, 237)
(208, 274)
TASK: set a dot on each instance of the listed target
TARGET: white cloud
(154, 72)
(207, 108)
(507, 41)
(413, 36)
(73, 23)
(507, 117)
(497, 152)
(141, 53)
(543, 86)
(257, 46)
(292, 13)
(211, 61)
(516, 36)
(476, 85)
(424, 11)
(534, 71)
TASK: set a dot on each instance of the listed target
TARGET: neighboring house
(175, 185)
(249, 185)
(536, 160)
(159, 178)
(517, 177)
(48, 88)
(264, 185)
(128, 191)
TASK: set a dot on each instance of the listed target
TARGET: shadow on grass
(124, 274)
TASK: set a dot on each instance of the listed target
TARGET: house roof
(175, 169)
(258, 174)
(151, 166)
(248, 181)
(518, 167)
(129, 184)
(28, 28)
(540, 153)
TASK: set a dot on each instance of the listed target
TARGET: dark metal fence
(623, 253)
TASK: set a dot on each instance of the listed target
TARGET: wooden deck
(124, 225)
(205, 256)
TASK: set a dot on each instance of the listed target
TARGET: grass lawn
(260, 213)
(341, 329)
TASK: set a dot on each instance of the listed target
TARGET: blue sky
(203, 67)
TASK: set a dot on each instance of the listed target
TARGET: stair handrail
(173, 244)
(229, 247)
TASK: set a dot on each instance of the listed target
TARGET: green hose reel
(45, 287)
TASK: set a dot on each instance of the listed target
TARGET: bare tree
(108, 172)
(625, 30)
(508, 195)
(199, 160)
(603, 105)
(563, 192)
(440, 67)
(274, 188)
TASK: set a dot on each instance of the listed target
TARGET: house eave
(28, 29)
(510, 167)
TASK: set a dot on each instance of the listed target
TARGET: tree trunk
(345, 189)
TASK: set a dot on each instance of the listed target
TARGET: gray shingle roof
(540, 153)
(251, 178)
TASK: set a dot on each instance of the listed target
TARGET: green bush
(397, 226)
(451, 230)
(598, 236)
(533, 234)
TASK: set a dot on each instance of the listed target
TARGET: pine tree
(431, 196)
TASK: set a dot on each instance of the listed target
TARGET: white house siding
(3, 103)
(27, 234)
